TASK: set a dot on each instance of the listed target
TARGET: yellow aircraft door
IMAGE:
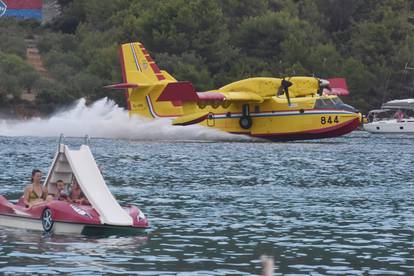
(210, 120)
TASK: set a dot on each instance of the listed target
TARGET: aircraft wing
(185, 92)
(242, 97)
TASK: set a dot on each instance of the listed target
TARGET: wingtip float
(276, 109)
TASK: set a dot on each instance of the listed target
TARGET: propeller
(284, 89)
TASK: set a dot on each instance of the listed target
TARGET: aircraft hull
(334, 131)
(290, 125)
(277, 124)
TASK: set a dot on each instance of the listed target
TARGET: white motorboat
(395, 116)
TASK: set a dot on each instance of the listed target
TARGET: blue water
(334, 206)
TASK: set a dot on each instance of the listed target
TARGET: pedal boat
(103, 215)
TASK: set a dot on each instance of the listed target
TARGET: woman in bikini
(35, 193)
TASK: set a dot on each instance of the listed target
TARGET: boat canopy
(375, 111)
(81, 165)
(399, 104)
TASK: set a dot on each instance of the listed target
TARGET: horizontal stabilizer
(193, 118)
(178, 91)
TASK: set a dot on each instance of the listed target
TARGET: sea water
(217, 202)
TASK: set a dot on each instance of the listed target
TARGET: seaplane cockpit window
(331, 103)
(324, 104)
(337, 100)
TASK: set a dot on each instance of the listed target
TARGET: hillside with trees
(212, 43)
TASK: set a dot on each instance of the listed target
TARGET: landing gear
(246, 121)
(47, 221)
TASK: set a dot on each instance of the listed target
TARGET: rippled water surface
(335, 206)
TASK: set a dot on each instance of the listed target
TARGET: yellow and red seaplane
(271, 108)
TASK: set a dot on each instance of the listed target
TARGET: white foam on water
(105, 119)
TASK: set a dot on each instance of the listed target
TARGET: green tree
(187, 66)
(176, 27)
(16, 74)
(28, 78)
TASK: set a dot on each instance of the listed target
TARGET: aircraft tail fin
(144, 82)
(138, 66)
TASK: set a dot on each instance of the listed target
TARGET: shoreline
(20, 111)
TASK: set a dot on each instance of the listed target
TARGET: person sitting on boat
(399, 115)
(35, 193)
(61, 193)
(76, 195)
